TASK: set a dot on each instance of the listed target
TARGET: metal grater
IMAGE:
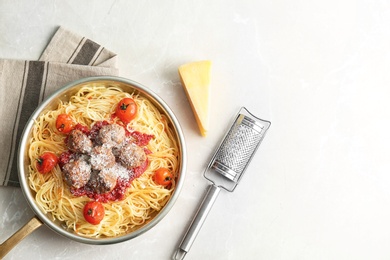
(237, 149)
(238, 146)
(226, 168)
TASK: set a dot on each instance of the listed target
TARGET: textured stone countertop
(317, 188)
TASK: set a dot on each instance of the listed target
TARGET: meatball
(77, 172)
(111, 135)
(131, 155)
(116, 150)
(102, 157)
(78, 142)
(102, 181)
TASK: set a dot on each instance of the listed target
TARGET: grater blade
(236, 150)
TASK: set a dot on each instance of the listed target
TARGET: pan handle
(24, 231)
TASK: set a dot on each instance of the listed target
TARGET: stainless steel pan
(40, 217)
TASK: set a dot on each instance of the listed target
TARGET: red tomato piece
(46, 162)
(126, 110)
(93, 212)
(163, 176)
(64, 123)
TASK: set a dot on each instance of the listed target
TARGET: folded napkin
(24, 84)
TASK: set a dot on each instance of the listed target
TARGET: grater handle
(197, 222)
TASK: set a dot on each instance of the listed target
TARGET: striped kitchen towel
(24, 84)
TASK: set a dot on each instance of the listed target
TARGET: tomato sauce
(141, 139)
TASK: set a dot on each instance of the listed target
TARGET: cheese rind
(195, 78)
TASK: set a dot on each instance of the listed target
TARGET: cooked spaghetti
(143, 198)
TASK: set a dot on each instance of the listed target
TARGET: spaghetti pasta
(143, 199)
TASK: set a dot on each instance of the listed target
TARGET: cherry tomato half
(46, 162)
(163, 176)
(64, 123)
(126, 110)
(93, 212)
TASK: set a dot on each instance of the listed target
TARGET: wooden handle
(12, 241)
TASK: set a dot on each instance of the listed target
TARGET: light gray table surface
(318, 187)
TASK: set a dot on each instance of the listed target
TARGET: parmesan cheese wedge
(195, 78)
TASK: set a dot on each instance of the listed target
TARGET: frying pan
(40, 217)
